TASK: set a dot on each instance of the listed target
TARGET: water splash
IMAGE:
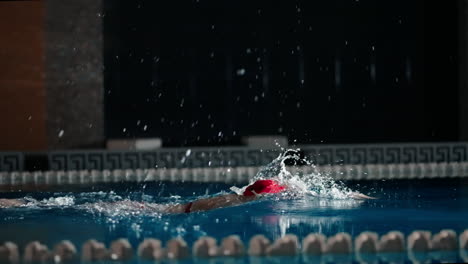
(60, 201)
(303, 180)
(124, 208)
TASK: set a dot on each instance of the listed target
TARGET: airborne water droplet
(240, 72)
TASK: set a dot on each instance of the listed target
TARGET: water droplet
(124, 130)
(145, 127)
(60, 134)
(240, 72)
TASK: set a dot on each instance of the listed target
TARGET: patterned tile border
(388, 153)
(322, 155)
(11, 161)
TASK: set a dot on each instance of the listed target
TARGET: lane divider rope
(419, 246)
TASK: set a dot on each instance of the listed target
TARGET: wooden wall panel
(22, 92)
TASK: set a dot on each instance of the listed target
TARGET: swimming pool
(403, 205)
(430, 205)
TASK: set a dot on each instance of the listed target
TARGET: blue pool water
(403, 205)
(312, 203)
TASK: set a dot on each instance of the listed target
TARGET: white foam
(302, 180)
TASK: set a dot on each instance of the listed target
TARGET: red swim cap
(263, 186)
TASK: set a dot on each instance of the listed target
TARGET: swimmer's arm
(211, 203)
(7, 203)
(360, 196)
(220, 202)
(176, 208)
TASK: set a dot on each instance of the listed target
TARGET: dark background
(207, 72)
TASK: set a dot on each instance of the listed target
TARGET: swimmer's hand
(360, 196)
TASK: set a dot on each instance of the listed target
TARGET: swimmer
(252, 192)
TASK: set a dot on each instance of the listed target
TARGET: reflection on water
(296, 213)
(276, 226)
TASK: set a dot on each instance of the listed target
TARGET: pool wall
(232, 157)
(230, 175)
(232, 164)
